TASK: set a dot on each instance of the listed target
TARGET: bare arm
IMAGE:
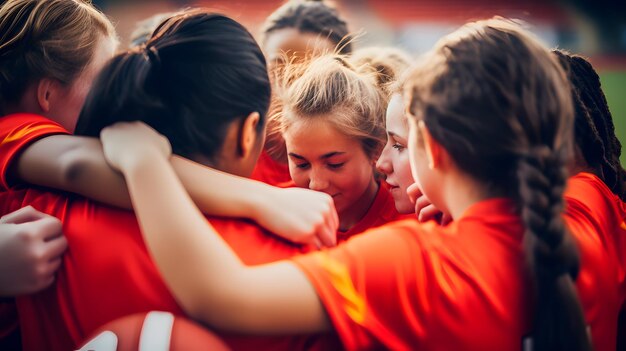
(74, 164)
(216, 287)
(77, 165)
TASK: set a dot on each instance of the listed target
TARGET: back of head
(46, 39)
(198, 73)
(330, 87)
(144, 29)
(310, 16)
(387, 62)
(494, 98)
(594, 129)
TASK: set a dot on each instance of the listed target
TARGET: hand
(424, 209)
(126, 142)
(301, 216)
(31, 247)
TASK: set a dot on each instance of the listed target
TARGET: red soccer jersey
(383, 210)
(270, 171)
(411, 286)
(595, 217)
(107, 271)
(17, 131)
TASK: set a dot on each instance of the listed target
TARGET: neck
(356, 212)
(460, 192)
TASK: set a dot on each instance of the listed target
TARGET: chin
(405, 209)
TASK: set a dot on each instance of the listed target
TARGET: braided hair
(493, 97)
(594, 129)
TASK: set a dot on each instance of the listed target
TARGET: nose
(383, 164)
(318, 181)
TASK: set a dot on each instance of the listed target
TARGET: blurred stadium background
(595, 29)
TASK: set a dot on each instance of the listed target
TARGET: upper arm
(74, 164)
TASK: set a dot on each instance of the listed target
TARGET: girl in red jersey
(37, 112)
(294, 32)
(107, 272)
(595, 211)
(490, 137)
(49, 53)
(332, 123)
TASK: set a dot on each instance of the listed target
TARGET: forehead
(396, 121)
(291, 41)
(314, 138)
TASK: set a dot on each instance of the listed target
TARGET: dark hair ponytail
(123, 91)
(197, 74)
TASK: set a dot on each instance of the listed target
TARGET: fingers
(55, 248)
(317, 243)
(427, 213)
(414, 192)
(445, 219)
(23, 215)
(47, 227)
(52, 267)
(48, 274)
(327, 237)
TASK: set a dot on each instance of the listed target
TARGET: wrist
(138, 160)
(257, 200)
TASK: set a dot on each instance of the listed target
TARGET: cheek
(299, 176)
(356, 178)
(402, 170)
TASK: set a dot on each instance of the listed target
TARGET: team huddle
(300, 193)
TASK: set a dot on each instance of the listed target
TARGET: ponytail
(198, 73)
(125, 81)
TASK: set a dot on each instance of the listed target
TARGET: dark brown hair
(497, 101)
(311, 17)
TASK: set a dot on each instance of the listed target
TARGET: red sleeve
(17, 132)
(355, 283)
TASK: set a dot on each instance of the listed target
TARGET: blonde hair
(46, 38)
(330, 87)
(388, 63)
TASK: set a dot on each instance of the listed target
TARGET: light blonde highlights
(388, 63)
(330, 87)
(46, 38)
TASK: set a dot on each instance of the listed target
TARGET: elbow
(74, 166)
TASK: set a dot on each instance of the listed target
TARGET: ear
(46, 91)
(249, 136)
(434, 151)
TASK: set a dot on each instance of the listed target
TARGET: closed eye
(398, 147)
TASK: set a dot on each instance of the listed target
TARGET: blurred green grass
(614, 86)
